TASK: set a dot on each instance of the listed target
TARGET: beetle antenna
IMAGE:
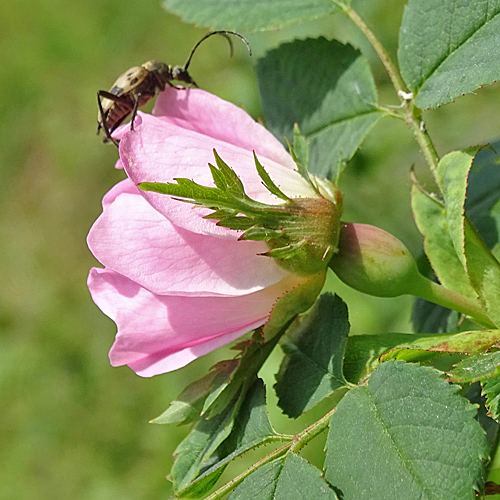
(224, 33)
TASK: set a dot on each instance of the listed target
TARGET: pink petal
(209, 115)
(133, 239)
(157, 334)
(157, 151)
(125, 186)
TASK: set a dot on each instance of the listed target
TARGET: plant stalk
(295, 445)
(438, 294)
(379, 48)
(413, 115)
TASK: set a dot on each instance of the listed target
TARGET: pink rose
(177, 285)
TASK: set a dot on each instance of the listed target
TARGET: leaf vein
(458, 47)
(319, 130)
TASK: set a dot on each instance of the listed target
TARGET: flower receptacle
(309, 236)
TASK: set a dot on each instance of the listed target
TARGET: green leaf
(484, 272)
(252, 426)
(312, 367)
(405, 435)
(328, 90)
(491, 389)
(483, 197)
(251, 429)
(286, 478)
(364, 351)
(428, 317)
(200, 443)
(453, 169)
(445, 227)
(490, 426)
(482, 267)
(254, 355)
(447, 48)
(189, 404)
(476, 367)
(432, 221)
(464, 342)
(240, 15)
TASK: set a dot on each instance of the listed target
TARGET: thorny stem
(413, 115)
(415, 122)
(295, 445)
(311, 432)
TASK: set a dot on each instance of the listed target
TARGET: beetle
(139, 84)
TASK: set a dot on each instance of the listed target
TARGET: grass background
(70, 425)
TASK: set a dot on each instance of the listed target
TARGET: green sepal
(268, 182)
(259, 233)
(301, 151)
(287, 252)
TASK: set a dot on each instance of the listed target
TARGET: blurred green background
(70, 425)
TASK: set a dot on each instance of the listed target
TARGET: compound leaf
(402, 436)
(325, 87)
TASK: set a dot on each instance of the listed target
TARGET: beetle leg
(134, 112)
(102, 124)
(110, 96)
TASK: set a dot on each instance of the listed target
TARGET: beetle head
(181, 74)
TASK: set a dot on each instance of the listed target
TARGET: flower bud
(373, 261)
(308, 236)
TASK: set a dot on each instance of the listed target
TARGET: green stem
(311, 432)
(438, 294)
(379, 48)
(413, 115)
(417, 125)
(224, 490)
(294, 446)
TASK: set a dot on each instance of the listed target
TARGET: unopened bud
(373, 261)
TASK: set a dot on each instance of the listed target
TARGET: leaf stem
(417, 125)
(311, 432)
(294, 446)
(224, 490)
